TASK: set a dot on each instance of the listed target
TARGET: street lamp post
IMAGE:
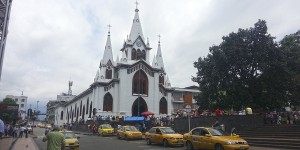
(188, 109)
(139, 93)
(37, 105)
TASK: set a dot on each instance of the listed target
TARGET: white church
(127, 86)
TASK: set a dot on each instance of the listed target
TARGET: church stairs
(276, 136)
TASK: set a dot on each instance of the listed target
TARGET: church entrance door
(139, 106)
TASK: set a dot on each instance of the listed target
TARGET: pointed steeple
(102, 74)
(159, 57)
(136, 28)
(97, 76)
(108, 50)
(123, 58)
(167, 83)
(118, 60)
(154, 62)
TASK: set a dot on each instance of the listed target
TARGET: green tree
(246, 69)
(8, 101)
(290, 45)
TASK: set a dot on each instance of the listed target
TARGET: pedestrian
(94, 128)
(1, 128)
(46, 131)
(217, 124)
(26, 132)
(56, 140)
(15, 131)
(218, 112)
(21, 132)
(278, 119)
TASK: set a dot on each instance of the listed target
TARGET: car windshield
(215, 132)
(106, 126)
(69, 135)
(167, 130)
(131, 128)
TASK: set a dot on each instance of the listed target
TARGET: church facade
(128, 85)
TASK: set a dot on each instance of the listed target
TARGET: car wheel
(148, 141)
(189, 145)
(165, 143)
(219, 147)
(126, 138)
(102, 134)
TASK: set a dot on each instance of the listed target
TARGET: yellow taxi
(42, 125)
(71, 140)
(163, 135)
(49, 126)
(105, 129)
(210, 138)
(129, 132)
(39, 125)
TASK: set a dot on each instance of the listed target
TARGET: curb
(34, 144)
(13, 144)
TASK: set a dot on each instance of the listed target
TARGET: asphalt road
(94, 142)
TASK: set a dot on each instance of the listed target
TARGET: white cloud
(52, 41)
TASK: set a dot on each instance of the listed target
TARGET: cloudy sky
(53, 41)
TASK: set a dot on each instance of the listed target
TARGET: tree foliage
(290, 45)
(247, 69)
(8, 101)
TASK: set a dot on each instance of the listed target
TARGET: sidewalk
(25, 144)
(6, 142)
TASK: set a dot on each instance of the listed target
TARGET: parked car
(163, 135)
(129, 132)
(105, 129)
(210, 138)
(71, 140)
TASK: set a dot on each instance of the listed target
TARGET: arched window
(75, 110)
(83, 110)
(80, 107)
(71, 113)
(91, 108)
(108, 102)
(163, 106)
(161, 79)
(133, 54)
(61, 115)
(77, 114)
(67, 116)
(140, 83)
(108, 74)
(87, 106)
(138, 54)
(143, 55)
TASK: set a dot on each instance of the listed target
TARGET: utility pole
(4, 19)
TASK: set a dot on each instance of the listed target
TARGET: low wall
(240, 122)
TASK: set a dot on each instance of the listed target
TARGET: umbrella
(147, 113)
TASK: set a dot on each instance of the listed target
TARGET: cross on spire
(159, 38)
(136, 4)
(109, 26)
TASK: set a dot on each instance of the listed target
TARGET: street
(91, 142)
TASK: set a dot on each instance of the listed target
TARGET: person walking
(26, 132)
(56, 140)
(1, 128)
